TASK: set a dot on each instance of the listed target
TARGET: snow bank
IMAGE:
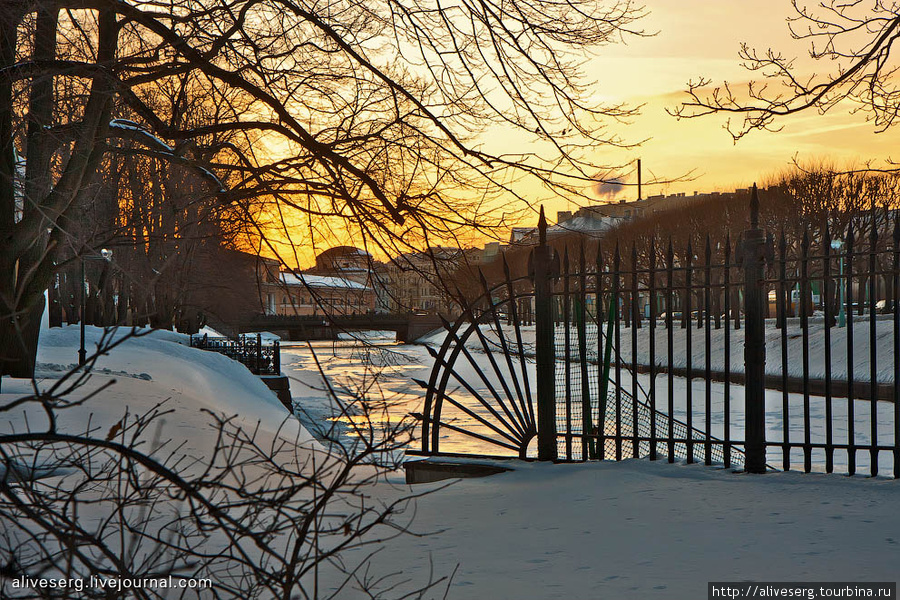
(625, 530)
(162, 358)
(156, 371)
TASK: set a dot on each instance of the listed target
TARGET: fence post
(544, 268)
(258, 351)
(754, 343)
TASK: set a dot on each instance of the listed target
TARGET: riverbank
(734, 358)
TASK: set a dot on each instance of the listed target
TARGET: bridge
(409, 327)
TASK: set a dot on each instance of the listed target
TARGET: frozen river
(383, 372)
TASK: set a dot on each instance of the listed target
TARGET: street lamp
(842, 318)
(105, 254)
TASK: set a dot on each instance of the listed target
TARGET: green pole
(604, 380)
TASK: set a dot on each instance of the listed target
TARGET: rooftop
(320, 281)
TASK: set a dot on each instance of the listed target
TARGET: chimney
(639, 178)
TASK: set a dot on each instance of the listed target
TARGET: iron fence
(756, 353)
(261, 359)
(838, 347)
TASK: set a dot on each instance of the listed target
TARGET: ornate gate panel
(518, 347)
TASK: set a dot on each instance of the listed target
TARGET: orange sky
(701, 38)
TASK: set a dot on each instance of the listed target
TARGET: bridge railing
(261, 359)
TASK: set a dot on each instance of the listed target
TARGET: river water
(371, 390)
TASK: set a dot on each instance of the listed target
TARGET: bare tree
(254, 514)
(363, 117)
(853, 39)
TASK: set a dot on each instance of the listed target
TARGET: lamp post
(842, 318)
(106, 255)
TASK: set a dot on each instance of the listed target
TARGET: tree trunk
(28, 248)
(19, 341)
(124, 301)
(14, 355)
(30, 306)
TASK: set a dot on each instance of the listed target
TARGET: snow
(18, 186)
(156, 367)
(213, 178)
(884, 341)
(132, 129)
(633, 529)
(265, 336)
(637, 529)
(192, 392)
(774, 416)
(345, 365)
(884, 353)
(209, 331)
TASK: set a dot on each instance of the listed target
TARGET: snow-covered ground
(636, 530)
(159, 367)
(633, 529)
(195, 403)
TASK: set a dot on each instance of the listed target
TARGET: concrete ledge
(840, 388)
(429, 470)
(281, 385)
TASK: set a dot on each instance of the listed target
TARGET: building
(589, 223)
(307, 294)
(421, 281)
(629, 210)
(597, 220)
(250, 288)
(347, 262)
(522, 235)
(593, 225)
(343, 281)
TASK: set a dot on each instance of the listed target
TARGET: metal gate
(661, 352)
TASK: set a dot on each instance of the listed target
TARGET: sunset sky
(702, 38)
(694, 39)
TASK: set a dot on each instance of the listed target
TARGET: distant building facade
(307, 294)
(629, 210)
(347, 262)
(597, 220)
(251, 288)
(417, 281)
